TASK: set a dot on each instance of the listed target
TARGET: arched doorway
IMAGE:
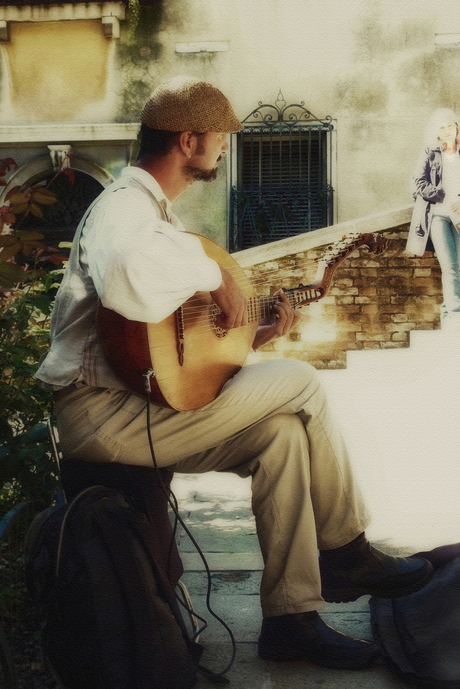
(60, 220)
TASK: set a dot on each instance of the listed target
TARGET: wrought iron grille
(283, 174)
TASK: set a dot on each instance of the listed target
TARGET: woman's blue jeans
(446, 242)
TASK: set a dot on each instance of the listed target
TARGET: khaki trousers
(271, 422)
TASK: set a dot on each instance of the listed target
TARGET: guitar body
(191, 357)
(186, 378)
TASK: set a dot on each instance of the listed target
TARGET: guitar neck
(262, 307)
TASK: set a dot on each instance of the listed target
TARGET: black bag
(109, 615)
(420, 634)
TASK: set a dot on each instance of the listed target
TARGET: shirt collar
(149, 182)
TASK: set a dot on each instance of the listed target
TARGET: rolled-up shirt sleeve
(142, 266)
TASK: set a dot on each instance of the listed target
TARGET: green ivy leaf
(9, 247)
(43, 303)
(29, 235)
(11, 274)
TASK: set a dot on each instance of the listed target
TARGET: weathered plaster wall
(57, 72)
(372, 65)
(373, 303)
(140, 60)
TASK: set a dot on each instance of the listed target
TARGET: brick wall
(373, 302)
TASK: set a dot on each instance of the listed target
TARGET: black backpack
(420, 634)
(109, 613)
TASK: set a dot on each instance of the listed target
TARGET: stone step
(439, 344)
(398, 410)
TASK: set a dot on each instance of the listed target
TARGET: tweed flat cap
(187, 104)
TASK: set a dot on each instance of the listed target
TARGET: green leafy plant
(30, 274)
(26, 467)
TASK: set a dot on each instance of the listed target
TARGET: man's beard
(196, 174)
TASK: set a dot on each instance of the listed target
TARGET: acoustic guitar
(191, 356)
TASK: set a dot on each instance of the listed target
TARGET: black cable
(172, 501)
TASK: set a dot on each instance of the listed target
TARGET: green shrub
(27, 470)
(29, 279)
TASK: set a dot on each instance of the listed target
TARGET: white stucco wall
(373, 65)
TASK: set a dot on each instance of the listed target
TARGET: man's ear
(187, 143)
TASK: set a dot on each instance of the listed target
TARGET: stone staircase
(400, 413)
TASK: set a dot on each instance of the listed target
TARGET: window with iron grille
(283, 175)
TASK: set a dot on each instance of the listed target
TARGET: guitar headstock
(349, 243)
(330, 261)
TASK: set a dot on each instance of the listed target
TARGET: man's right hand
(232, 301)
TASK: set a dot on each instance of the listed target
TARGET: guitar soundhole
(217, 330)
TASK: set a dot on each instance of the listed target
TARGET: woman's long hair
(436, 121)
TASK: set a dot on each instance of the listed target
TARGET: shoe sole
(348, 596)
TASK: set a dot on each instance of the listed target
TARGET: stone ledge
(60, 12)
(63, 133)
(310, 240)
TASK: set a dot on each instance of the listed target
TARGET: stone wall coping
(61, 12)
(379, 222)
(63, 133)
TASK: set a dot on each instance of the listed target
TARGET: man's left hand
(282, 321)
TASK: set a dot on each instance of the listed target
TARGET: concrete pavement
(216, 508)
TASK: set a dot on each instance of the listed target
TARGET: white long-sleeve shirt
(132, 253)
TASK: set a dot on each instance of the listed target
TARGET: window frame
(282, 124)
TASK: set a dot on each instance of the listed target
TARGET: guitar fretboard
(262, 307)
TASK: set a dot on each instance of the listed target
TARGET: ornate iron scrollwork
(280, 112)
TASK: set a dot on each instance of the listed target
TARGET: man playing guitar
(269, 421)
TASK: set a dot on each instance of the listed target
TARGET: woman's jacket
(426, 189)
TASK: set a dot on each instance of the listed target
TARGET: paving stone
(217, 508)
(241, 612)
(251, 672)
(224, 583)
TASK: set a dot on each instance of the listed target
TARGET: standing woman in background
(435, 186)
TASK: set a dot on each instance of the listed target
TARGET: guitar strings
(194, 311)
(245, 281)
(263, 300)
(203, 321)
(193, 306)
(197, 314)
(301, 265)
(336, 251)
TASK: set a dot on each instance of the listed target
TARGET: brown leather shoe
(305, 636)
(358, 569)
